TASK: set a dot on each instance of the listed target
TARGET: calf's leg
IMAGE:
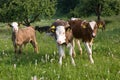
(89, 50)
(74, 53)
(34, 44)
(16, 49)
(20, 49)
(71, 51)
(79, 46)
(61, 53)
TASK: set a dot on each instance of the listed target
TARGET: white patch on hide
(92, 24)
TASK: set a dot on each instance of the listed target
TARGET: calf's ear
(19, 23)
(9, 25)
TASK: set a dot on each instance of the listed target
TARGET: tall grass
(44, 65)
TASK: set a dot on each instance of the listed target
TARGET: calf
(42, 29)
(101, 24)
(64, 37)
(23, 36)
(86, 31)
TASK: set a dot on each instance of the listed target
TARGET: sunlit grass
(44, 65)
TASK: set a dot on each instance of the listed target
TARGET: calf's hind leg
(89, 50)
(34, 44)
(71, 52)
(79, 46)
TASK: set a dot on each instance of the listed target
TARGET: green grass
(44, 65)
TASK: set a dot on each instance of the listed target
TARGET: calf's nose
(59, 42)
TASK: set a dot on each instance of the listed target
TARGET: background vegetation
(28, 11)
(44, 65)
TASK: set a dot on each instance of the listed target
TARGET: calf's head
(63, 35)
(101, 24)
(60, 28)
(14, 26)
(92, 26)
(60, 34)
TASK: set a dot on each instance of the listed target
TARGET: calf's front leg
(61, 53)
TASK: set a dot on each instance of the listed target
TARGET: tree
(64, 6)
(26, 11)
(96, 7)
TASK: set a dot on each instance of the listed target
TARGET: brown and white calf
(23, 36)
(63, 36)
(101, 24)
(85, 31)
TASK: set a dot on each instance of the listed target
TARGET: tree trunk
(98, 12)
(28, 21)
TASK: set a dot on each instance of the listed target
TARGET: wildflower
(46, 57)
(54, 53)
(42, 78)
(36, 62)
(42, 59)
(34, 77)
(51, 60)
(14, 66)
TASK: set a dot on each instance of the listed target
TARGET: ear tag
(83, 26)
(53, 27)
(53, 30)
(100, 25)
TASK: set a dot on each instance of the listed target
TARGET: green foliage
(26, 10)
(64, 6)
(87, 8)
(111, 7)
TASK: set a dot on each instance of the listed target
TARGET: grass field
(44, 65)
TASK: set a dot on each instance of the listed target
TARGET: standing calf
(63, 36)
(86, 31)
(23, 36)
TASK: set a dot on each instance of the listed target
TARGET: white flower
(51, 60)
(36, 62)
(14, 66)
(34, 78)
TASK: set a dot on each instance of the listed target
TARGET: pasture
(44, 65)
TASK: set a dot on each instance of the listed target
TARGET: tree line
(28, 11)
